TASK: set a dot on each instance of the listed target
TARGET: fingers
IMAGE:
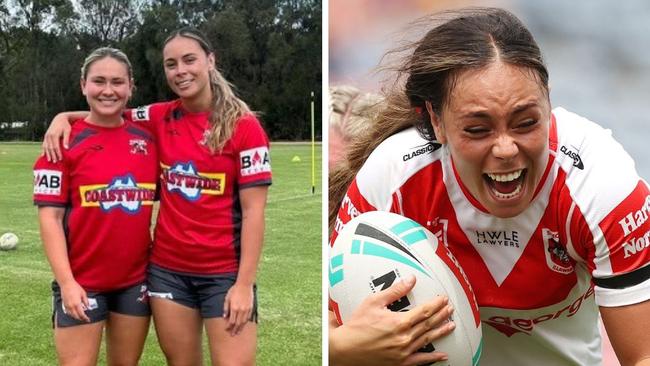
(429, 315)
(66, 137)
(431, 335)
(226, 306)
(52, 149)
(422, 358)
(398, 290)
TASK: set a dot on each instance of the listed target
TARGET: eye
(527, 124)
(170, 65)
(476, 130)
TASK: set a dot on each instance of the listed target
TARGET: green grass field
(289, 278)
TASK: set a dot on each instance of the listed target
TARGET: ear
(82, 84)
(438, 127)
(212, 59)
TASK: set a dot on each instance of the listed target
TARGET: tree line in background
(269, 49)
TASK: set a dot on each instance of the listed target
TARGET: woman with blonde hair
(94, 209)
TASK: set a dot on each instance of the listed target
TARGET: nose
(505, 147)
(180, 68)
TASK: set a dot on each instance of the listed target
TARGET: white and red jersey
(538, 277)
(107, 184)
(199, 223)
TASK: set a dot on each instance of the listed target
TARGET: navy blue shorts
(204, 292)
(132, 300)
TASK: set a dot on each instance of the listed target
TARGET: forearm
(54, 245)
(72, 116)
(252, 239)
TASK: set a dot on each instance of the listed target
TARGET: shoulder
(249, 132)
(393, 162)
(591, 157)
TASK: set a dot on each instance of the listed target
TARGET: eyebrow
(183, 56)
(484, 115)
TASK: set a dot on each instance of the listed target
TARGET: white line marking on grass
(293, 198)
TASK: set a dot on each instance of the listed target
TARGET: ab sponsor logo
(577, 161)
(47, 182)
(140, 114)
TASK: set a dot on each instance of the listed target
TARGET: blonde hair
(226, 107)
(103, 52)
(351, 111)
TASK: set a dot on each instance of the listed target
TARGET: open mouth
(506, 186)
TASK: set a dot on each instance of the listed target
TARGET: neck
(199, 103)
(103, 120)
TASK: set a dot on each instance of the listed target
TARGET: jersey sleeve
(51, 181)
(622, 255)
(252, 149)
(149, 116)
(610, 222)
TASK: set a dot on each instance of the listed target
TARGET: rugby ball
(377, 248)
(8, 241)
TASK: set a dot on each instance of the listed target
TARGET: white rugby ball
(8, 241)
(377, 248)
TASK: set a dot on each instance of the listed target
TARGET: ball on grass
(8, 241)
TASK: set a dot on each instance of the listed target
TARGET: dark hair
(227, 108)
(468, 38)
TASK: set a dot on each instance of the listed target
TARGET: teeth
(183, 83)
(505, 177)
(505, 196)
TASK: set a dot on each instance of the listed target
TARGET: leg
(179, 332)
(78, 345)
(125, 336)
(228, 350)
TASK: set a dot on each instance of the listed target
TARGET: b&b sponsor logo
(47, 182)
(123, 192)
(427, 148)
(511, 325)
(577, 161)
(498, 238)
(184, 179)
(630, 223)
(255, 161)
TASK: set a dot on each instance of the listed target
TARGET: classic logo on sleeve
(47, 182)
(254, 161)
(140, 114)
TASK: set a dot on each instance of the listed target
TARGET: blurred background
(597, 52)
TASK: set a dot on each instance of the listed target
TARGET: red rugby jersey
(107, 184)
(538, 277)
(199, 223)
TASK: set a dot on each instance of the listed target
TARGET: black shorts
(132, 300)
(204, 292)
